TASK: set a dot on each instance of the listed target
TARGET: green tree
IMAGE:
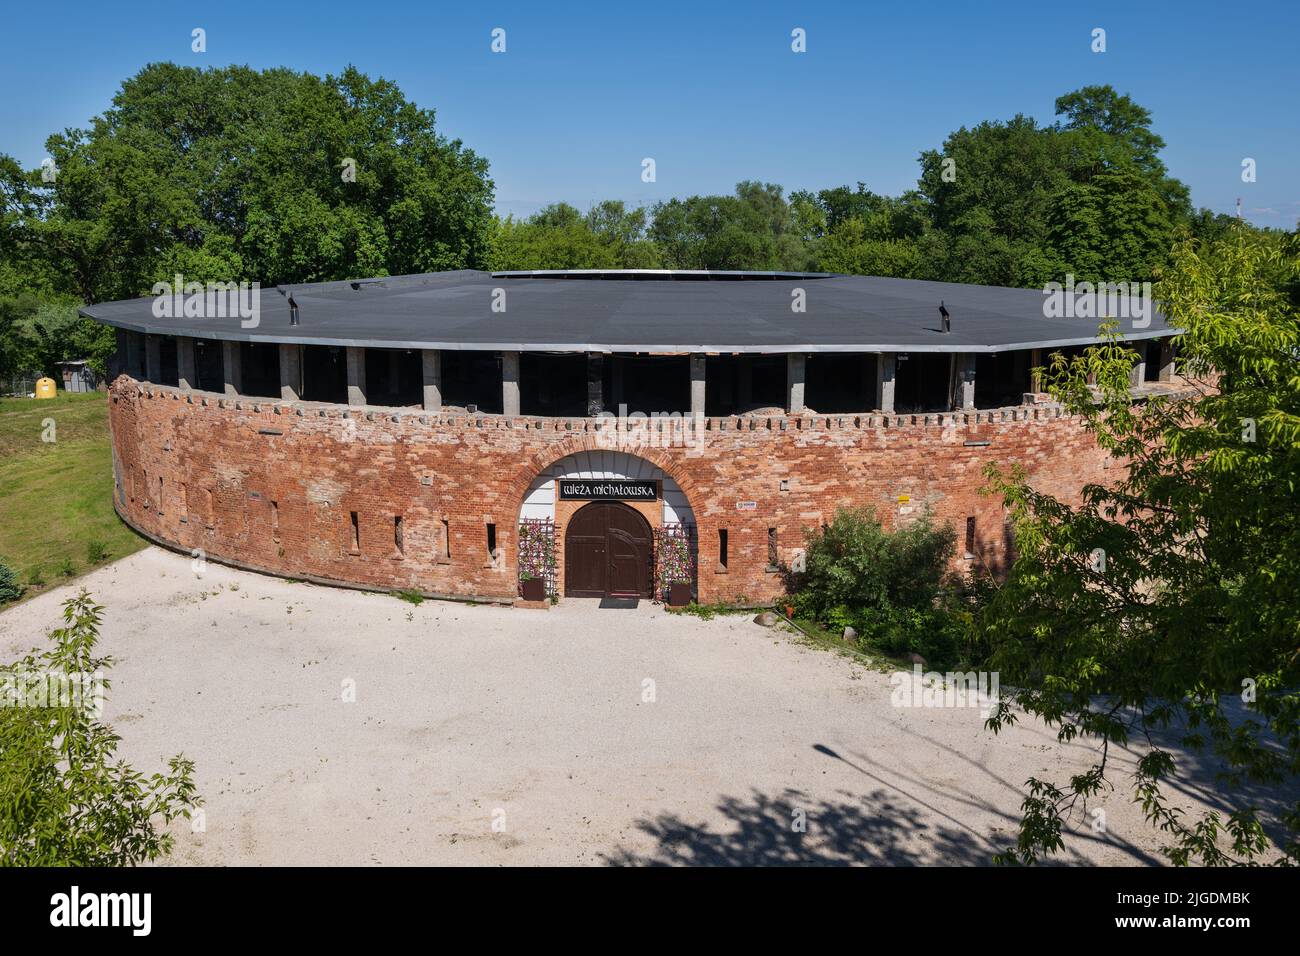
(885, 584)
(10, 587)
(1164, 610)
(1114, 227)
(233, 173)
(1107, 131)
(1019, 204)
(848, 249)
(991, 190)
(609, 236)
(884, 217)
(754, 229)
(65, 798)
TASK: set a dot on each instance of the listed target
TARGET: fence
(19, 384)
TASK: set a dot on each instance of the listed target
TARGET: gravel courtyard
(535, 720)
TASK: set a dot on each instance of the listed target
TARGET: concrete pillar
(963, 393)
(186, 372)
(1138, 373)
(509, 383)
(431, 359)
(233, 365)
(744, 381)
(356, 375)
(1166, 360)
(698, 362)
(1035, 361)
(595, 384)
(886, 367)
(153, 358)
(290, 372)
(795, 368)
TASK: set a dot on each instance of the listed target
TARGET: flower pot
(679, 594)
(534, 589)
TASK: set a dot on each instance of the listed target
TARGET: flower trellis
(537, 551)
(674, 555)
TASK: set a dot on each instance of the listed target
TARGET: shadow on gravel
(760, 831)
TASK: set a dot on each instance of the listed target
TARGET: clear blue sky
(711, 91)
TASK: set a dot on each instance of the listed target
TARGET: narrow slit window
(275, 520)
(160, 495)
(208, 508)
(771, 547)
(185, 501)
(722, 547)
(398, 543)
(445, 544)
(970, 536)
(356, 531)
(491, 539)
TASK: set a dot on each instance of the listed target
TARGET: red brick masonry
(272, 485)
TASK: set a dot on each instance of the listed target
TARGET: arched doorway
(608, 552)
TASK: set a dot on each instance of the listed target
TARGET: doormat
(620, 604)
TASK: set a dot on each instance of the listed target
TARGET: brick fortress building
(453, 433)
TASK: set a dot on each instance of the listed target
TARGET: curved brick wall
(223, 462)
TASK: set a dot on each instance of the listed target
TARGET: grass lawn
(56, 498)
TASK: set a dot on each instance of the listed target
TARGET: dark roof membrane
(659, 311)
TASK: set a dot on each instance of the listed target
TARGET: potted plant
(536, 558)
(676, 567)
(532, 588)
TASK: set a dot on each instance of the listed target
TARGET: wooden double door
(608, 551)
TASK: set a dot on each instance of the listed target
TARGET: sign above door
(608, 489)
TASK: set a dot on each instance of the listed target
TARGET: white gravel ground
(535, 719)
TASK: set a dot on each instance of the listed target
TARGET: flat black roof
(641, 311)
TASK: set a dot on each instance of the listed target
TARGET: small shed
(78, 376)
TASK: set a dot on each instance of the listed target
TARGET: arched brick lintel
(661, 458)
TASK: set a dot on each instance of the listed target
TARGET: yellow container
(45, 388)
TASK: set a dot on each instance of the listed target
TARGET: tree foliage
(10, 587)
(37, 333)
(1164, 610)
(609, 236)
(757, 228)
(891, 586)
(65, 797)
(235, 173)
